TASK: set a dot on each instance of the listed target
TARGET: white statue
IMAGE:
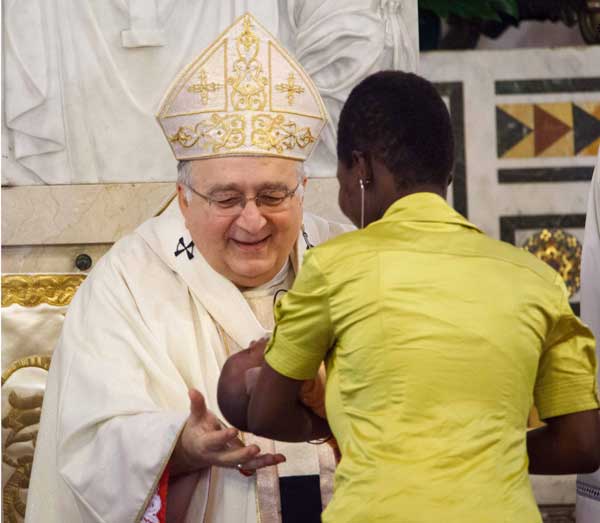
(81, 77)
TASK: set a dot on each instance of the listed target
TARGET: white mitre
(243, 96)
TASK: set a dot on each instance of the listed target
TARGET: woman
(436, 338)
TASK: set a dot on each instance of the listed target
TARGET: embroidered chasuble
(151, 321)
(297, 481)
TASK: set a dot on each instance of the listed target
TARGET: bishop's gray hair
(184, 177)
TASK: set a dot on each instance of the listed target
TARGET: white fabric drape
(588, 486)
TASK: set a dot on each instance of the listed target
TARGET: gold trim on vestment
(30, 290)
(205, 111)
(163, 466)
(250, 154)
(307, 81)
(164, 207)
(204, 130)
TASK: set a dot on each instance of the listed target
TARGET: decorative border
(30, 290)
(454, 92)
(546, 175)
(40, 362)
(550, 85)
(510, 224)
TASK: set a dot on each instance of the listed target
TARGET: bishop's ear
(182, 197)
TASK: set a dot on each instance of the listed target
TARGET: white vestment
(588, 486)
(143, 328)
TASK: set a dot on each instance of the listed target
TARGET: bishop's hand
(205, 441)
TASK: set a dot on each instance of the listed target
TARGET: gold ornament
(290, 88)
(255, 100)
(562, 251)
(204, 87)
(31, 290)
(19, 446)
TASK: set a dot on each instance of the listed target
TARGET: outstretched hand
(206, 442)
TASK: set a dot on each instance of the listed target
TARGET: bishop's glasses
(232, 203)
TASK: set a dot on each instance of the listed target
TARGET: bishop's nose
(251, 219)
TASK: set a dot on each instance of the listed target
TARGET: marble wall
(45, 229)
(527, 124)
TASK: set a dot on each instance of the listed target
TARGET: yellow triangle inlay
(524, 149)
(521, 112)
(590, 150)
(564, 146)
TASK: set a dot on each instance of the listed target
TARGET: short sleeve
(303, 331)
(566, 380)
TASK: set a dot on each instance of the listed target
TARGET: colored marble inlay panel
(561, 129)
(545, 175)
(452, 93)
(548, 85)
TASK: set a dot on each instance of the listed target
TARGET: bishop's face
(249, 244)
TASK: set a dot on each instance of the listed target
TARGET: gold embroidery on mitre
(204, 87)
(220, 132)
(275, 133)
(290, 88)
(249, 85)
(259, 99)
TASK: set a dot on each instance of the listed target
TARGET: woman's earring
(362, 203)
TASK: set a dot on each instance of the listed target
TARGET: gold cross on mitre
(204, 87)
(264, 105)
(291, 88)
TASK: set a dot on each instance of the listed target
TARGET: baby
(237, 380)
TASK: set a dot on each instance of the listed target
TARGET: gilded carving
(21, 423)
(249, 85)
(32, 290)
(218, 133)
(40, 362)
(274, 133)
(562, 251)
